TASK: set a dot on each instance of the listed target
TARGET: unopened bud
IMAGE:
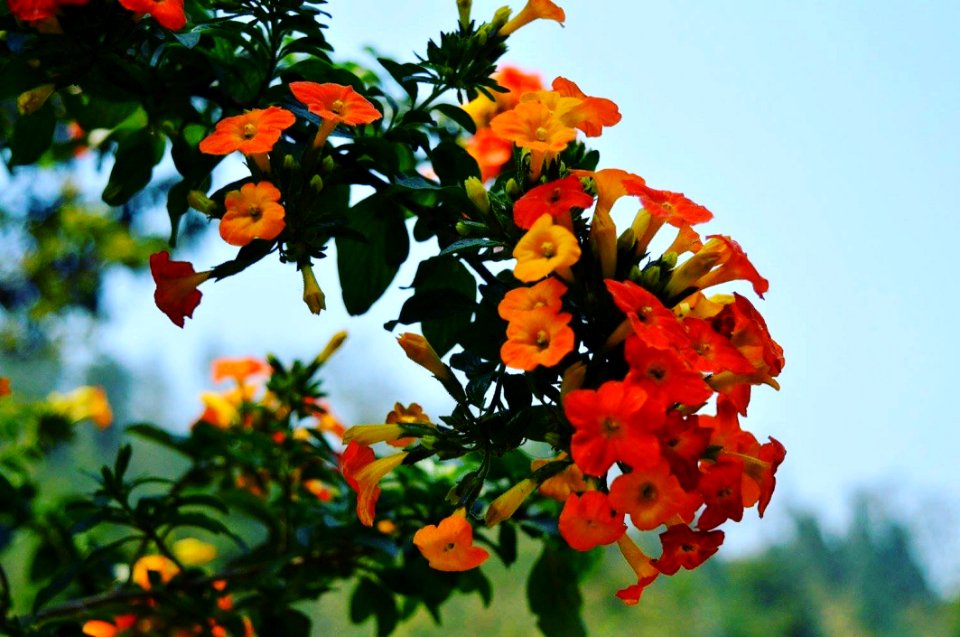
(669, 259)
(199, 201)
(507, 504)
(500, 18)
(463, 9)
(512, 188)
(327, 164)
(29, 102)
(289, 162)
(626, 241)
(316, 182)
(312, 294)
(332, 345)
(477, 194)
(422, 353)
(650, 277)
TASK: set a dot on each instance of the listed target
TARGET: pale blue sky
(824, 136)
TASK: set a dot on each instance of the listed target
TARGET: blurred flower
(193, 552)
(83, 403)
(239, 369)
(159, 564)
(169, 13)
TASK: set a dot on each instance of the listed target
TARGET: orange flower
(720, 260)
(482, 109)
(4, 386)
(592, 114)
(253, 212)
(538, 337)
(655, 325)
(534, 10)
(159, 564)
(99, 628)
(449, 545)
(36, 10)
(642, 566)
(545, 248)
(547, 294)
(560, 486)
(177, 295)
(238, 369)
(368, 485)
(253, 132)
(533, 126)
(652, 497)
(335, 104)
(490, 151)
(406, 415)
(589, 521)
(556, 198)
(611, 424)
(169, 13)
(82, 403)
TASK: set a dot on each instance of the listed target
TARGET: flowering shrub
(597, 377)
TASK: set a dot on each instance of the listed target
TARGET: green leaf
(553, 592)
(474, 244)
(32, 135)
(458, 115)
(508, 544)
(156, 434)
(453, 164)
(137, 153)
(367, 267)
(369, 598)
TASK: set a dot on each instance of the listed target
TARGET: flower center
(337, 106)
(648, 492)
(610, 426)
(540, 134)
(547, 249)
(255, 213)
(543, 339)
(249, 131)
(449, 547)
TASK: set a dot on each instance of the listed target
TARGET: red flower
(721, 487)
(611, 424)
(655, 325)
(556, 198)
(664, 374)
(588, 521)
(169, 13)
(682, 546)
(34, 10)
(177, 294)
(652, 497)
(711, 352)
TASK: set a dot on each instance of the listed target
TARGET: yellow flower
(507, 504)
(192, 552)
(368, 484)
(83, 403)
(544, 249)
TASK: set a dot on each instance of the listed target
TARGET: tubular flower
(720, 260)
(253, 212)
(169, 13)
(253, 132)
(239, 369)
(335, 104)
(590, 520)
(538, 337)
(163, 566)
(713, 352)
(100, 628)
(83, 403)
(533, 126)
(642, 566)
(561, 485)
(534, 10)
(548, 294)
(556, 198)
(682, 546)
(721, 487)
(652, 497)
(505, 505)
(448, 546)
(353, 460)
(372, 434)
(177, 295)
(591, 114)
(611, 424)
(545, 248)
(653, 323)
(412, 415)
(664, 374)
(368, 484)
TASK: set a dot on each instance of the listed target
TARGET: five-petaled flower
(335, 104)
(545, 248)
(448, 546)
(253, 212)
(253, 132)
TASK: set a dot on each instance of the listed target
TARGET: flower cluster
(168, 13)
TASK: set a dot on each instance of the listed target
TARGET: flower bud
(372, 434)
(289, 162)
(507, 504)
(477, 194)
(463, 9)
(316, 182)
(533, 10)
(327, 164)
(573, 378)
(422, 353)
(312, 294)
(332, 345)
(199, 201)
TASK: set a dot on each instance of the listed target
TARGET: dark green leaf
(458, 115)
(137, 153)
(32, 135)
(367, 267)
(470, 245)
(553, 592)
